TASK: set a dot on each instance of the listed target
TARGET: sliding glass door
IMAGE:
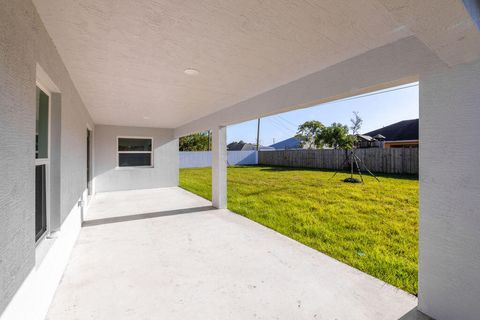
(40, 201)
(41, 163)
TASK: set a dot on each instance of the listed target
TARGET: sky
(377, 109)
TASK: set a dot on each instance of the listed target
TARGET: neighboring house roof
(400, 131)
(365, 137)
(290, 143)
(243, 146)
(239, 146)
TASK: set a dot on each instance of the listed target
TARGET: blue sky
(376, 109)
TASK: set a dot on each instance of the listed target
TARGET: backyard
(372, 227)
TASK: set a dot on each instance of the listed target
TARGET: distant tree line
(195, 142)
(314, 135)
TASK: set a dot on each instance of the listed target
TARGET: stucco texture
(108, 177)
(24, 42)
(449, 254)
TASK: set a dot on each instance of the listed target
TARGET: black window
(41, 162)
(40, 201)
(135, 152)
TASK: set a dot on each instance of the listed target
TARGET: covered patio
(168, 254)
(94, 95)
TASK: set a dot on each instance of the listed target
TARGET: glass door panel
(42, 162)
(40, 201)
(41, 137)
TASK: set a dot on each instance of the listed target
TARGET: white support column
(449, 231)
(219, 167)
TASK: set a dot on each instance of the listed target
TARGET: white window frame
(46, 162)
(134, 167)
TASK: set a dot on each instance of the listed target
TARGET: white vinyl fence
(200, 159)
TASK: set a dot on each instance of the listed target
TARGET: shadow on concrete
(141, 216)
(414, 314)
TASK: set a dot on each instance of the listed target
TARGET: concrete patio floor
(167, 254)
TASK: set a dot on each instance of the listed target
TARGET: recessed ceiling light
(191, 72)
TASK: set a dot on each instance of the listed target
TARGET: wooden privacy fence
(396, 160)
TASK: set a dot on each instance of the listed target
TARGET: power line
(373, 93)
(279, 128)
(347, 99)
(280, 125)
(287, 121)
(283, 127)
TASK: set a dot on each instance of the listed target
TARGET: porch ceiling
(127, 58)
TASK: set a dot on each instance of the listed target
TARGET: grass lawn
(372, 227)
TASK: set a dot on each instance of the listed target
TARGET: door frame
(89, 162)
(46, 162)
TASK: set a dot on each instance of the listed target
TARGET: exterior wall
(110, 178)
(449, 237)
(55, 161)
(24, 43)
(399, 144)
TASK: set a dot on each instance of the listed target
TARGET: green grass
(372, 227)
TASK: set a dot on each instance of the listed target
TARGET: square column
(219, 167)
(449, 230)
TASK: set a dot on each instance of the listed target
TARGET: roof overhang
(127, 59)
(391, 65)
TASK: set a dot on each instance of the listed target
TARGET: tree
(336, 136)
(234, 145)
(194, 142)
(356, 123)
(309, 132)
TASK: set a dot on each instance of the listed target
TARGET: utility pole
(209, 146)
(258, 134)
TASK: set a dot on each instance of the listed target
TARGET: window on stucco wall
(135, 152)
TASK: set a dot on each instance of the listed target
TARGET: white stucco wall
(24, 43)
(449, 237)
(110, 178)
